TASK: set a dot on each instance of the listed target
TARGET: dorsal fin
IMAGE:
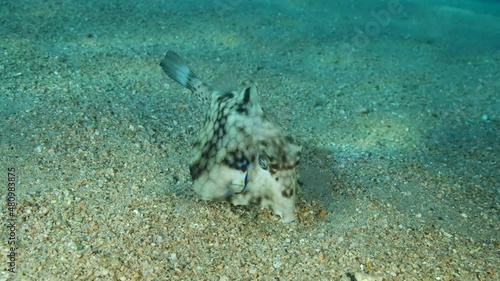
(225, 83)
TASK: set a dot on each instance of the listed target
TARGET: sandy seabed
(398, 121)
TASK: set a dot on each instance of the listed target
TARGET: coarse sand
(400, 135)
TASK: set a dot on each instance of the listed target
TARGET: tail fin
(177, 69)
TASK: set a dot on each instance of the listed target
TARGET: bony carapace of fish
(239, 156)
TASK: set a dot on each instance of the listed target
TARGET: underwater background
(395, 103)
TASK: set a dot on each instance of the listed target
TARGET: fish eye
(263, 162)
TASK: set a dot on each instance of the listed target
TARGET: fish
(239, 155)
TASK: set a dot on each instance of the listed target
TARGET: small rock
(358, 276)
(44, 211)
(364, 110)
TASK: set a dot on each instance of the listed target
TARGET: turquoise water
(395, 104)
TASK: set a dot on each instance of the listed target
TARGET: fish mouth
(275, 191)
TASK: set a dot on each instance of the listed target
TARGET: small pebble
(364, 110)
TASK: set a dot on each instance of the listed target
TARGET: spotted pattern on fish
(239, 156)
